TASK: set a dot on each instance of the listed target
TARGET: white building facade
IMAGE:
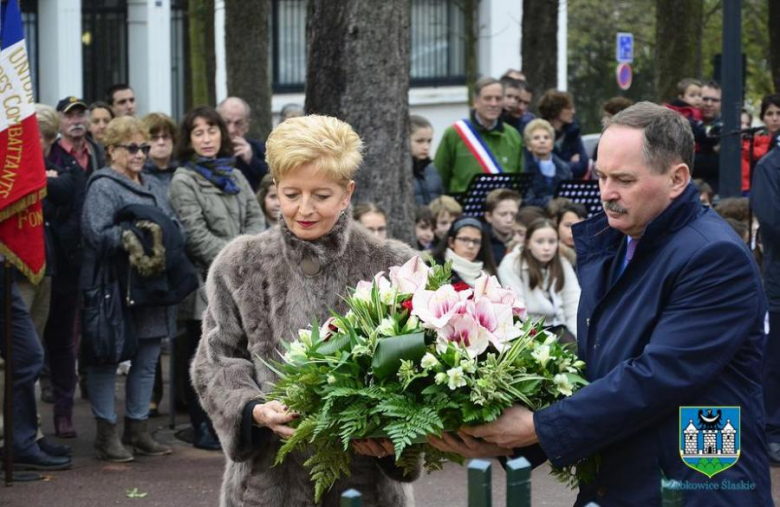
(81, 47)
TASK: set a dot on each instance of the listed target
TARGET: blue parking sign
(625, 47)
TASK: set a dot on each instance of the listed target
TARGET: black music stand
(585, 192)
(473, 199)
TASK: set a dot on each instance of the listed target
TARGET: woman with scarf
(215, 204)
(467, 245)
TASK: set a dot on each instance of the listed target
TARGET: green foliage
(755, 46)
(330, 377)
(593, 25)
(328, 464)
(441, 274)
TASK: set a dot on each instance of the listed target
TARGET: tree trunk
(358, 71)
(202, 53)
(676, 44)
(774, 42)
(540, 44)
(246, 48)
(470, 10)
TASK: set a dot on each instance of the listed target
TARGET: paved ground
(191, 478)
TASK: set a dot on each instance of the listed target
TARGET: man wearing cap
(73, 144)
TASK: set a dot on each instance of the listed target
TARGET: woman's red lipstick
(305, 225)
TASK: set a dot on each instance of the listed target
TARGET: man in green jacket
(454, 158)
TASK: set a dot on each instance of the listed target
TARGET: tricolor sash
(478, 147)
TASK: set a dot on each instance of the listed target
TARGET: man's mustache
(613, 207)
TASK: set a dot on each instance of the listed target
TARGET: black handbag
(106, 329)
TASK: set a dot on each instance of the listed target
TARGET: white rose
(429, 361)
(542, 354)
(562, 383)
(387, 327)
(455, 378)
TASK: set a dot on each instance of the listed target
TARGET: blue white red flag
(478, 147)
(22, 169)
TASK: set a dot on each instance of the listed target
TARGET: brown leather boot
(138, 437)
(107, 443)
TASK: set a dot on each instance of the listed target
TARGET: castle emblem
(709, 438)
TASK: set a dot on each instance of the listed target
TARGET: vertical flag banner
(22, 169)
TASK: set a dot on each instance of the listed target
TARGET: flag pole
(8, 425)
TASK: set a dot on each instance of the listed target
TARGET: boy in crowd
(445, 210)
(424, 224)
(688, 101)
(501, 206)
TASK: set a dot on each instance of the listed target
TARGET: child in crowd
(427, 181)
(445, 210)
(269, 200)
(566, 216)
(424, 224)
(545, 168)
(544, 280)
(688, 99)
(372, 217)
(501, 206)
(467, 246)
(523, 219)
(706, 193)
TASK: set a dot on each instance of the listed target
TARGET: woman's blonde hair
(331, 145)
(537, 124)
(48, 121)
(121, 129)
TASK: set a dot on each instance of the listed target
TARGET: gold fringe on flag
(22, 204)
(10, 256)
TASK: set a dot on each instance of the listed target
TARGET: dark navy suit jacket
(683, 325)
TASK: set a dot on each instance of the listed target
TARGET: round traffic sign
(624, 76)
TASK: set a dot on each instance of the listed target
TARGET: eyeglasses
(469, 241)
(133, 149)
(161, 137)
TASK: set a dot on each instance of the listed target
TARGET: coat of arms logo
(709, 438)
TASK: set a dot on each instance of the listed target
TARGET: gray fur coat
(258, 295)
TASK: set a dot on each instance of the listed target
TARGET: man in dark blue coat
(671, 315)
(765, 201)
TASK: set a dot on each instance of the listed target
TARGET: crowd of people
(120, 186)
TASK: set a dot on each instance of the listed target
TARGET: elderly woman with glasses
(109, 190)
(261, 289)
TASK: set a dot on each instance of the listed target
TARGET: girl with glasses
(468, 247)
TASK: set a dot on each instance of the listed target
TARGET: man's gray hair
(241, 101)
(483, 82)
(667, 135)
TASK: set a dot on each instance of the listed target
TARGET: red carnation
(460, 286)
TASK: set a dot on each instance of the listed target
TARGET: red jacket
(685, 109)
(761, 145)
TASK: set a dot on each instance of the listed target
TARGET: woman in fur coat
(261, 289)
